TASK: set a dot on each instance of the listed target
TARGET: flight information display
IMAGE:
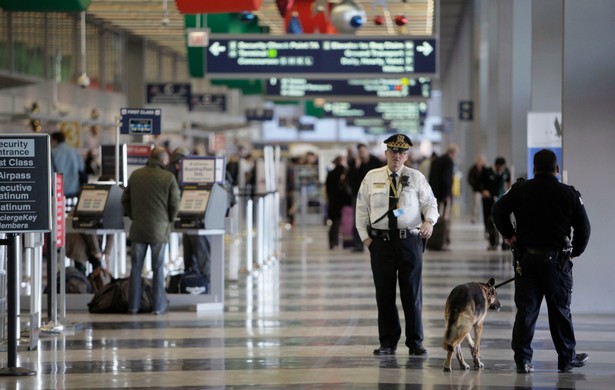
(254, 56)
(295, 87)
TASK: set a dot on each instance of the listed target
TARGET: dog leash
(504, 283)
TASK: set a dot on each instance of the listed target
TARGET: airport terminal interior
(308, 321)
(255, 101)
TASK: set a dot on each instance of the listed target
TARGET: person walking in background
(66, 160)
(391, 203)
(494, 182)
(151, 201)
(338, 195)
(551, 228)
(357, 169)
(441, 181)
(474, 175)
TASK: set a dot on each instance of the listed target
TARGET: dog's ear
(491, 282)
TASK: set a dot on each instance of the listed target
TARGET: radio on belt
(202, 206)
(99, 207)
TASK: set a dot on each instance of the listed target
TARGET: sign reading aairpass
(253, 56)
(25, 189)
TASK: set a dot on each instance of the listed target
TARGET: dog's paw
(478, 365)
(465, 366)
(447, 369)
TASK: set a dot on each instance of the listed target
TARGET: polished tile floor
(308, 321)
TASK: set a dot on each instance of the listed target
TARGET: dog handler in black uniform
(545, 210)
(395, 212)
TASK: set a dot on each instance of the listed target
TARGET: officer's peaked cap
(398, 142)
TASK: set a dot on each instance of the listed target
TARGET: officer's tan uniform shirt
(415, 198)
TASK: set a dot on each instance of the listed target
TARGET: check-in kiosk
(202, 206)
(99, 207)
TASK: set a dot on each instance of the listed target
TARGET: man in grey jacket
(151, 201)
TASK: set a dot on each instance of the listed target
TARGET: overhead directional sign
(384, 110)
(254, 56)
(397, 88)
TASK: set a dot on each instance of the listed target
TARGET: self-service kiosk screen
(92, 200)
(193, 201)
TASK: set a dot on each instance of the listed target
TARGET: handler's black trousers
(393, 260)
(538, 279)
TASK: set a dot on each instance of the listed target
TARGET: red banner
(60, 210)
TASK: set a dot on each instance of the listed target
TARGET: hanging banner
(544, 131)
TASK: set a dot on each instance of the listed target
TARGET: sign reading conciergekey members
(25, 183)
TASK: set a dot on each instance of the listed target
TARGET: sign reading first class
(140, 121)
(250, 56)
(25, 183)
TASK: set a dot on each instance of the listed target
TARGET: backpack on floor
(113, 297)
(76, 282)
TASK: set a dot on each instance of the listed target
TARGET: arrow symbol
(425, 48)
(216, 48)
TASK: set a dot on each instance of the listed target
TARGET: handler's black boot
(579, 361)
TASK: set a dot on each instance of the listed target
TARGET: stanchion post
(12, 243)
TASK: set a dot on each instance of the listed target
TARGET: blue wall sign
(169, 93)
(208, 102)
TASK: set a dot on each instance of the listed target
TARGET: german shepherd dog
(466, 309)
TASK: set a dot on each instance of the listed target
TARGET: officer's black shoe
(383, 351)
(417, 350)
(525, 368)
(579, 361)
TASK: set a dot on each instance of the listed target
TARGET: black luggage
(191, 282)
(113, 297)
(440, 236)
(76, 282)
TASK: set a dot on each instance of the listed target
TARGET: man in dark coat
(338, 196)
(357, 169)
(441, 181)
(151, 201)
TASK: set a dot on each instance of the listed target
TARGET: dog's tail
(446, 340)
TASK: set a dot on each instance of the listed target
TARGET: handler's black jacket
(545, 210)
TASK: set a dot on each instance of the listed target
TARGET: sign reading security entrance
(25, 183)
(252, 56)
(140, 121)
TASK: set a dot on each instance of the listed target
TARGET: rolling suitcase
(439, 239)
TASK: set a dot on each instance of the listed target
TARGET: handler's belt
(387, 235)
(557, 256)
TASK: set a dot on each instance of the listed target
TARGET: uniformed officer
(545, 210)
(395, 212)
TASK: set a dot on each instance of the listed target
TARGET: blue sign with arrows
(254, 56)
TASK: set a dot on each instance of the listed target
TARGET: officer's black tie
(392, 202)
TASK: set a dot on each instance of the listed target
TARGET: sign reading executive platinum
(140, 121)
(25, 183)
(252, 56)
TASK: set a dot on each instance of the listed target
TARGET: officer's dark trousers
(538, 279)
(398, 260)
